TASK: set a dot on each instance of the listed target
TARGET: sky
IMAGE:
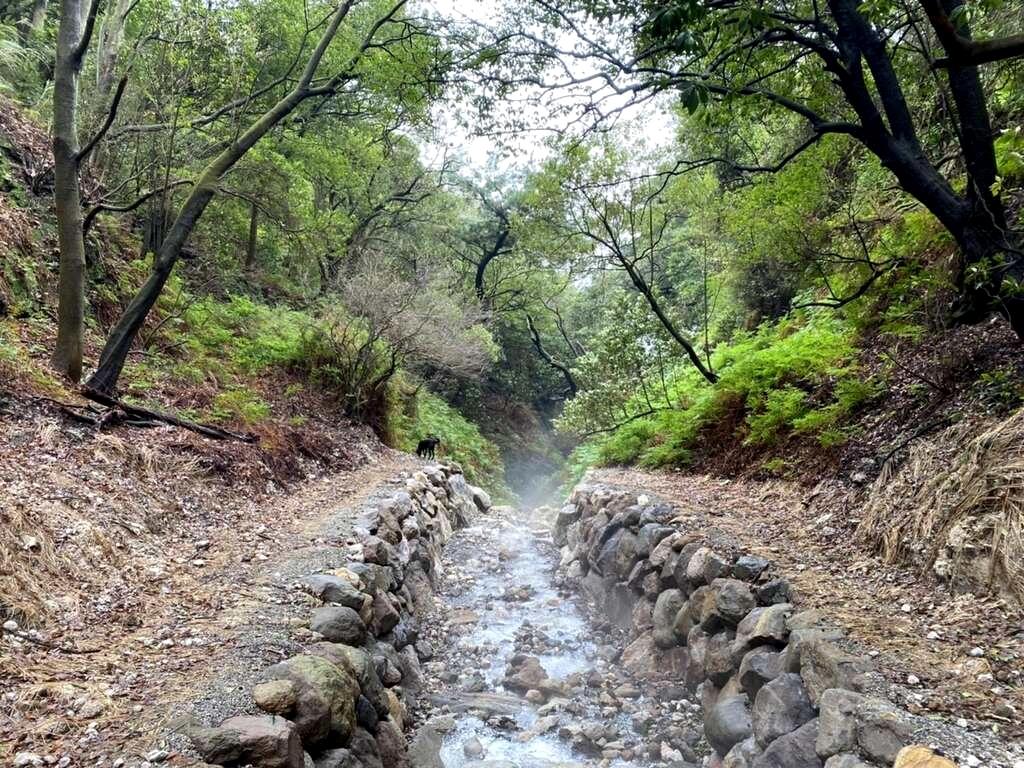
(652, 126)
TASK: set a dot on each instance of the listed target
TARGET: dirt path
(215, 604)
(927, 638)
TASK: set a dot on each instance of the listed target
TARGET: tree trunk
(109, 46)
(67, 356)
(250, 249)
(122, 335)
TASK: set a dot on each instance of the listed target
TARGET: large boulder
(782, 705)
(837, 722)
(704, 566)
(617, 554)
(824, 665)
(643, 658)
(764, 626)
(794, 750)
(733, 600)
(566, 516)
(335, 589)
(758, 667)
(262, 741)
(359, 664)
(391, 746)
(727, 723)
(325, 697)
(742, 755)
(339, 625)
(719, 661)
(666, 608)
(882, 730)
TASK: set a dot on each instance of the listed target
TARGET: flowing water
(500, 598)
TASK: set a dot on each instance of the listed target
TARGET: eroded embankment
(779, 687)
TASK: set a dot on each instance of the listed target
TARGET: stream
(501, 612)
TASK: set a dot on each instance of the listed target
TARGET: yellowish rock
(921, 757)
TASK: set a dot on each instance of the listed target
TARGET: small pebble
(976, 652)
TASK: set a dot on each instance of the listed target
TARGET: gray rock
(365, 749)
(846, 761)
(764, 626)
(728, 723)
(650, 535)
(749, 567)
(733, 600)
(339, 624)
(481, 498)
(325, 697)
(705, 566)
(798, 638)
(719, 662)
(337, 758)
(824, 665)
(385, 616)
(742, 755)
(782, 705)
(425, 749)
(774, 592)
(265, 742)
(666, 608)
(837, 722)
(758, 667)
(684, 622)
(794, 750)
(334, 589)
(682, 563)
(882, 730)
(567, 515)
(391, 746)
(617, 555)
(366, 715)
(473, 749)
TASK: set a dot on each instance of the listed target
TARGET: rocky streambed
(526, 676)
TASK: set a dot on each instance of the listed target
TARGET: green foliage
(427, 414)
(794, 376)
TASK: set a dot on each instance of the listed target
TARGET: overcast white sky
(652, 126)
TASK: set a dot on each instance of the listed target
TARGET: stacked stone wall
(776, 685)
(344, 701)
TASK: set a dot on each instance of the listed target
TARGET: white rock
(976, 652)
(962, 722)
(12, 626)
(933, 635)
(906, 607)
(972, 761)
(913, 680)
(24, 759)
(157, 756)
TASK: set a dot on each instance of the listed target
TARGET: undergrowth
(795, 376)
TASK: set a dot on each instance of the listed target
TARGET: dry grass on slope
(957, 504)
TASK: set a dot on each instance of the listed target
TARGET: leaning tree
(869, 71)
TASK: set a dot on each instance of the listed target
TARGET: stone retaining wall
(343, 703)
(776, 689)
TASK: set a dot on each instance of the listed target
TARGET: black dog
(425, 450)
